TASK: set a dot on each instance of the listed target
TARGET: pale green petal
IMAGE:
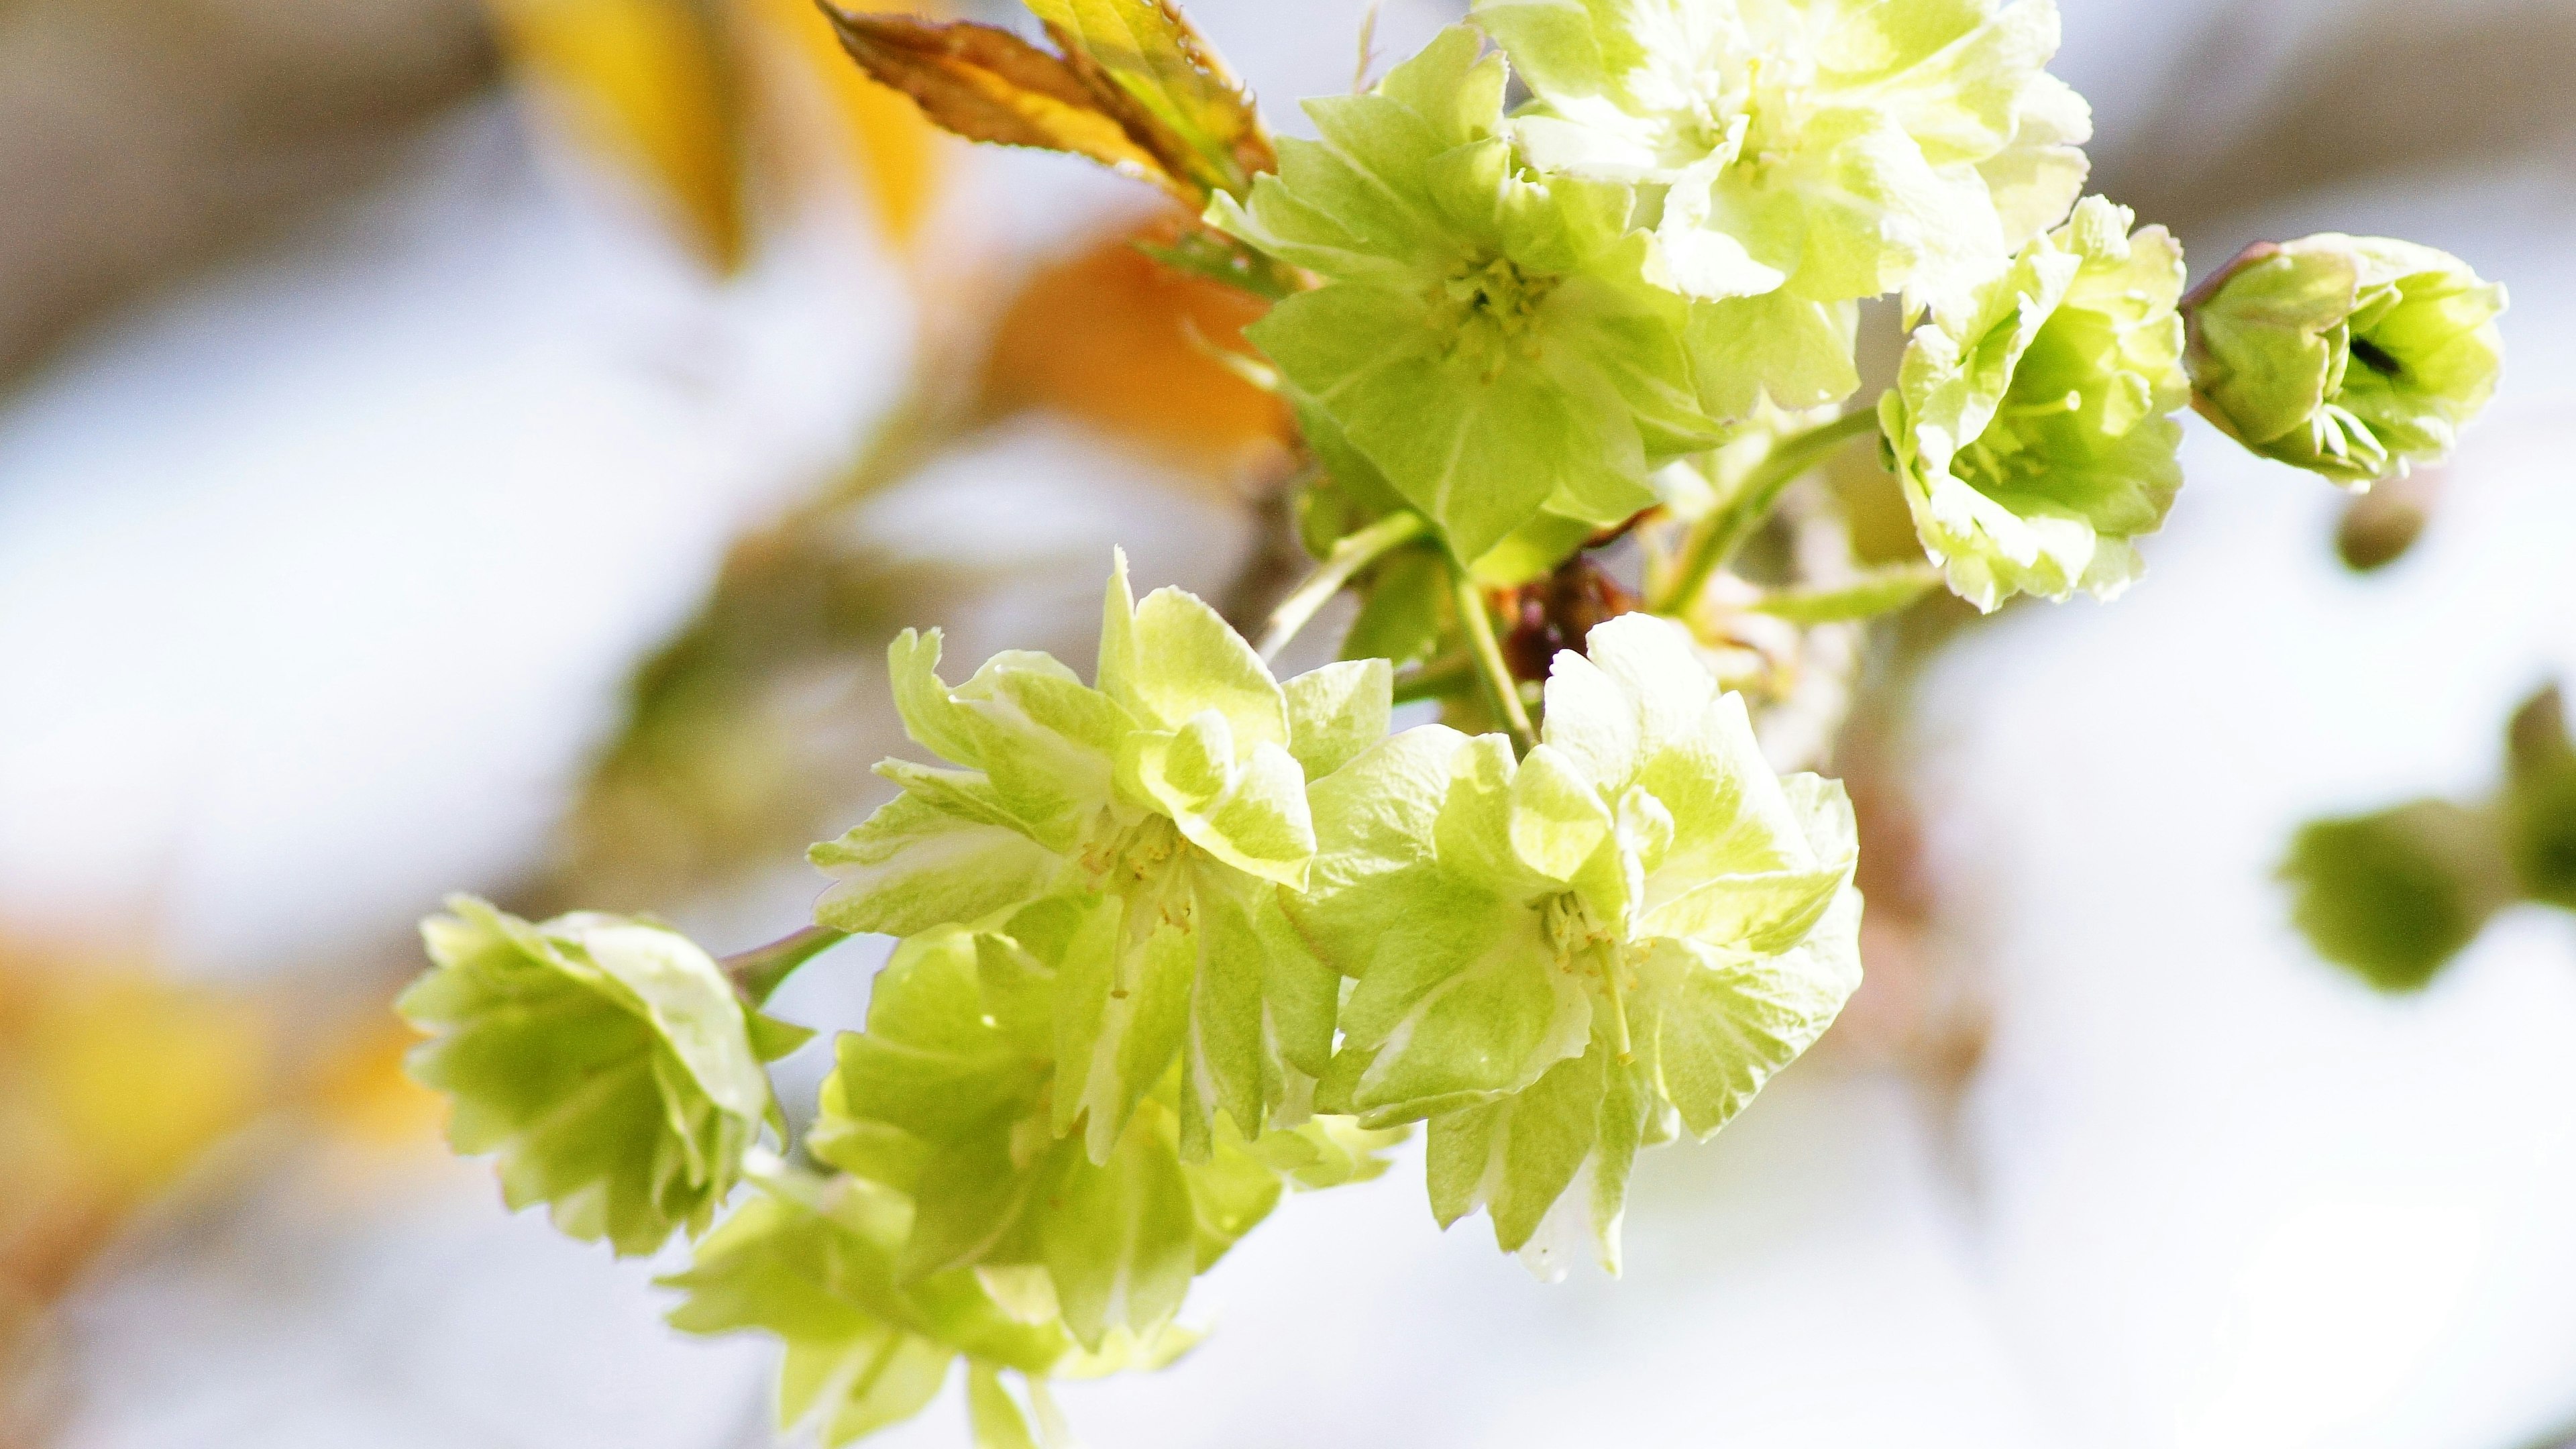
(2353, 357)
(911, 866)
(1123, 1007)
(1476, 449)
(1374, 820)
(1471, 1006)
(1558, 820)
(1515, 1158)
(1487, 338)
(1045, 742)
(1188, 659)
(1120, 1241)
(1252, 816)
(1591, 720)
(1337, 711)
(1837, 151)
(1796, 352)
(2030, 425)
(992, 1415)
(607, 1062)
(1230, 1061)
(1717, 1029)
(931, 1061)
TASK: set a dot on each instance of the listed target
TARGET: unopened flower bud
(2352, 357)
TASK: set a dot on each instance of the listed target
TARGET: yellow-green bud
(2352, 357)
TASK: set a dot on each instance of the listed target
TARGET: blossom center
(1490, 308)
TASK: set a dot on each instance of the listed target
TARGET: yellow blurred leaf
(649, 84)
(987, 84)
(144, 1074)
(113, 1084)
(1150, 51)
(894, 151)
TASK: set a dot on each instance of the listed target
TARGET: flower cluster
(1182, 937)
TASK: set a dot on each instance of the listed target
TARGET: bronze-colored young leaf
(1155, 55)
(987, 84)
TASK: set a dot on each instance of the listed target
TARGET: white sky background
(317, 577)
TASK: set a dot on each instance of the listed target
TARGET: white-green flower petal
(607, 1062)
(913, 865)
(1337, 711)
(2031, 428)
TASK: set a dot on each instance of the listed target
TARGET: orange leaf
(987, 84)
(1124, 343)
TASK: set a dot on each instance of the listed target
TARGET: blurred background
(454, 445)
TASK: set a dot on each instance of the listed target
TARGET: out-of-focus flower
(2351, 357)
(2032, 433)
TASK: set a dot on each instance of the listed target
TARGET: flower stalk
(1718, 537)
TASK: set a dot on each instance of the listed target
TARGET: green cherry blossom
(2032, 430)
(1562, 958)
(1806, 152)
(2352, 357)
(1170, 800)
(814, 1262)
(606, 1060)
(944, 1098)
(1485, 335)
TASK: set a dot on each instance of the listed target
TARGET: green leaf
(606, 1061)
(1404, 610)
(2395, 894)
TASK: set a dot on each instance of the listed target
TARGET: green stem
(1864, 596)
(1479, 624)
(1723, 532)
(757, 972)
(1619, 1035)
(1435, 678)
(1355, 552)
